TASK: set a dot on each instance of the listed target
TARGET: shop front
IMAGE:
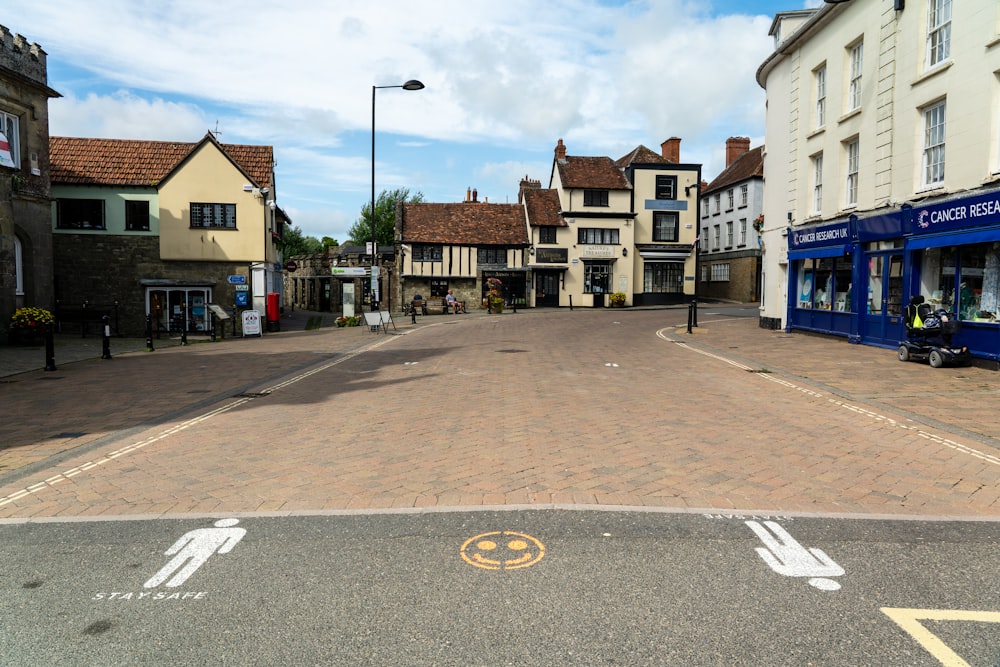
(823, 272)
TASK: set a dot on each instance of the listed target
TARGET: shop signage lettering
(969, 212)
(820, 236)
(551, 255)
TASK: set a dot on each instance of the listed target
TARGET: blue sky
(504, 82)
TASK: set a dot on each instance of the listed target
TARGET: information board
(251, 323)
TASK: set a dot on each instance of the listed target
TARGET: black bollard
(694, 306)
(106, 340)
(149, 333)
(571, 302)
(50, 348)
(213, 326)
(690, 316)
(184, 334)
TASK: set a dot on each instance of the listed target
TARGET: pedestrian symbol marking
(194, 548)
(502, 550)
(909, 620)
(786, 556)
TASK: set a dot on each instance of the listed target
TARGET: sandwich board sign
(251, 323)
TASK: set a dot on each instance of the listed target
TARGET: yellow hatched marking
(909, 620)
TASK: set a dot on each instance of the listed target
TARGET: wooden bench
(436, 306)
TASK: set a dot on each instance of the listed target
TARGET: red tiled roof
(591, 173)
(469, 224)
(543, 208)
(641, 155)
(746, 166)
(135, 162)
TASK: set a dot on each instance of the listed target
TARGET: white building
(882, 168)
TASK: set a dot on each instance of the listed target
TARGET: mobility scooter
(928, 336)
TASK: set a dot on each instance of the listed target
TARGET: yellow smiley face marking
(502, 550)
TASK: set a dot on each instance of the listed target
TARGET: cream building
(882, 168)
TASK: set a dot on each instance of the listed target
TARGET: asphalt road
(543, 587)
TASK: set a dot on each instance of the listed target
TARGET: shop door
(546, 290)
(883, 316)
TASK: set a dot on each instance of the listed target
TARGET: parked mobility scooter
(928, 336)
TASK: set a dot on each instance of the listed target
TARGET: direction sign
(237, 280)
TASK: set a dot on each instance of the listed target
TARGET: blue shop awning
(941, 240)
(824, 251)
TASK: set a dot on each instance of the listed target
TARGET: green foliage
(295, 243)
(328, 243)
(385, 217)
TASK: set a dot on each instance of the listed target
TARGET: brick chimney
(560, 151)
(735, 147)
(527, 184)
(671, 149)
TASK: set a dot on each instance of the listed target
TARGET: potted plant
(494, 297)
(617, 299)
(27, 324)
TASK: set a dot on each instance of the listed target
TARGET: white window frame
(743, 231)
(852, 151)
(731, 199)
(938, 32)
(857, 60)
(817, 165)
(819, 76)
(744, 194)
(717, 237)
(10, 126)
(935, 135)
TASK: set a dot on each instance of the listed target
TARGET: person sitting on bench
(454, 304)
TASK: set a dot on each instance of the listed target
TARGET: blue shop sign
(968, 212)
(814, 237)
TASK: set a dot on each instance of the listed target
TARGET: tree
(385, 217)
(328, 242)
(295, 243)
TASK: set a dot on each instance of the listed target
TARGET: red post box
(272, 310)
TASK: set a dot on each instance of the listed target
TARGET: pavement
(540, 408)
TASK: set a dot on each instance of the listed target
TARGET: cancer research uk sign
(815, 237)
(978, 211)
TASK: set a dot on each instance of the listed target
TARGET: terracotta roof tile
(591, 173)
(134, 162)
(641, 155)
(543, 208)
(469, 224)
(746, 166)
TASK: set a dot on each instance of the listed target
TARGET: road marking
(933, 437)
(194, 548)
(502, 550)
(909, 620)
(786, 556)
(194, 421)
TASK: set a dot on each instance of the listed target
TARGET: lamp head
(413, 84)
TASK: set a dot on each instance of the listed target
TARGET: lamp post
(412, 84)
(696, 246)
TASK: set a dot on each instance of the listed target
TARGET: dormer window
(595, 197)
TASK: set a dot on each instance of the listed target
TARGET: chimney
(671, 149)
(527, 184)
(560, 151)
(475, 195)
(735, 147)
(468, 195)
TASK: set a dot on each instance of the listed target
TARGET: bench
(436, 306)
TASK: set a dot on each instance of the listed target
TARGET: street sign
(242, 288)
(349, 271)
(237, 280)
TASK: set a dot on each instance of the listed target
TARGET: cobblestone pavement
(600, 408)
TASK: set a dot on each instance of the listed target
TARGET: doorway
(883, 310)
(546, 289)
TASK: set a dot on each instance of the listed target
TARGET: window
(80, 214)
(590, 235)
(703, 239)
(817, 198)
(970, 271)
(666, 187)
(854, 89)
(546, 234)
(720, 273)
(729, 198)
(663, 277)
(215, 216)
(743, 231)
(718, 202)
(137, 215)
(704, 208)
(492, 255)
(666, 226)
(596, 277)
(427, 253)
(819, 77)
(729, 234)
(8, 126)
(744, 194)
(938, 31)
(595, 197)
(851, 186)
(825, 284)
(716, 237)
(934, 135)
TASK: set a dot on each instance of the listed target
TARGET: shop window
(80, 214)
(825, 284)
(665, 277)
(596, 277)
(972, 272)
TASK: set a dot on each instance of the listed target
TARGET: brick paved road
(597, 408)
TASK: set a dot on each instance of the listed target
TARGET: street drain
(251, 394)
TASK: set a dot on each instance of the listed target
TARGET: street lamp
(412, 84)
(696, 246)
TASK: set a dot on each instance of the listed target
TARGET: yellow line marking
(909, 620)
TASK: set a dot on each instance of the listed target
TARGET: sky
(504, 81)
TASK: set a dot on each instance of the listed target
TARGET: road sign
(237, 280)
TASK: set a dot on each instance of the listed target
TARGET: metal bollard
(149, 333)
(571, 302)
(213, 326)
(690, 316)
(50, 348)
(694, 306)
(184, 334)
(106, 340)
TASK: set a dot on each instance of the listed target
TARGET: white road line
(933, 437)
(128, 449)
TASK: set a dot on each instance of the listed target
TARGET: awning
(823, 251)
(941, 240)
(665, 255)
